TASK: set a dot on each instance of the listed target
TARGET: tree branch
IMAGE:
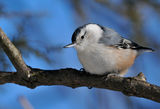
(14, 55)
(75, 78)
(31, 77)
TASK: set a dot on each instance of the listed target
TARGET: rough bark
(135, 86)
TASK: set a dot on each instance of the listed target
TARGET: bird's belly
(95, 63)
(105, 61)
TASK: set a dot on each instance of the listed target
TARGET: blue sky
(56, 28)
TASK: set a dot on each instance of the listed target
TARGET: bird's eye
(82, 37)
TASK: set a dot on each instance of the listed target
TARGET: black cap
(76, 32)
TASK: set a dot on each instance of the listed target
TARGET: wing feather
(127, 44)
(112, 38)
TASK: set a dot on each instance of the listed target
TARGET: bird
(101, 50)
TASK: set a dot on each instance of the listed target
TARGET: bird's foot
(112, 74)
(108, 75)
(83, 71)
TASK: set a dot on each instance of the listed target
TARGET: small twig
(25, 103)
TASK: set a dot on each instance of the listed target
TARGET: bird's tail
(145, 49)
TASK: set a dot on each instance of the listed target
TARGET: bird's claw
(82, 69)
(108, 75)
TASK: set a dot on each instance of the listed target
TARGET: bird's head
(86, 35)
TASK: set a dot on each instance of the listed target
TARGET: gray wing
(112, 38)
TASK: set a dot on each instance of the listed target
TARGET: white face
(88, 34)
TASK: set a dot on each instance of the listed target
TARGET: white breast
(101, 59)
(97, 60)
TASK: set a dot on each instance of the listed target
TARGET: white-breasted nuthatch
(101, 50)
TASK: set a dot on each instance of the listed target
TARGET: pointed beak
(69, 45)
